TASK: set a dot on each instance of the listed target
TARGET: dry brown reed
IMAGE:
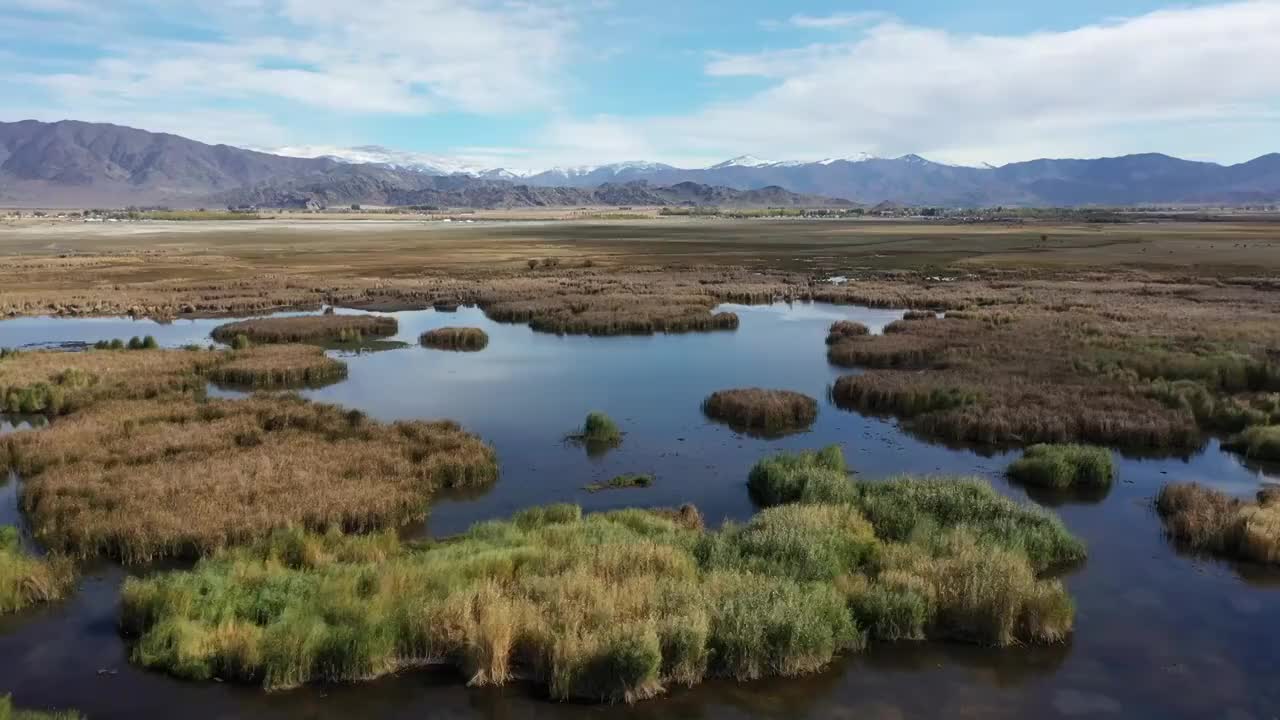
(308, 328)
(466, 339)
(55, 382)
(271, 367)
(844, 329)
(146, 479)
(1209, 520)
(761, 410)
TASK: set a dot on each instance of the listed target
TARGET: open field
(176, 265)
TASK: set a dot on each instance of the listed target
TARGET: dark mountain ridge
(73, 163)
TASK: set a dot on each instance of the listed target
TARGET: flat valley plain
(1156, 339)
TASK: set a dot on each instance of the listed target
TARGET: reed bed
(614, 314)
(962, 407)
(845, 329)
(308, 328)
(274, 367)
(141, 480)
(758, 410)
(884, 351)
(466, 339)
(614, 607)
(1069, 373)
(1064, 466)
(55, 383)
(1209, 520)
(621, 482)
(26, 580)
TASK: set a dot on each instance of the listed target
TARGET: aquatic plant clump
(761, 410)
(271, 367)
(308, 328)
(1064, 466)
(614, 314)
(621, 482)
(598, 428)
(610, 607)
(1209, 520)
(455, 338)
(27, 580)
(141, 480)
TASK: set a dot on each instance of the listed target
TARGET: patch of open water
(1158, 633)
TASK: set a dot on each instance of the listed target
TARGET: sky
(537, 83)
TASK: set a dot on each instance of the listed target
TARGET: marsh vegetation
(1064, 466)
(617, 606)
(467, 339)
(1209, 520)
(139, 480)
(757, 410)
(273, 367)
(54, 383)
(308, 328)
(621, 482)
(620, 313)
(27, 580)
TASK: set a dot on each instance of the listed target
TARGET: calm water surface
(1159, 634)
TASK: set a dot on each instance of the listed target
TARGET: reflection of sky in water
(1149, 619)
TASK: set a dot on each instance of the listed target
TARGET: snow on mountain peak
(743, 161)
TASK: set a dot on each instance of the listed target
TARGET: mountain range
(73, 163)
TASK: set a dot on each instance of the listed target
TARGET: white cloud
(896, 88)
(372, 56)
(837, 20)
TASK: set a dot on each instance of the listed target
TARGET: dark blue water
(1159, 634)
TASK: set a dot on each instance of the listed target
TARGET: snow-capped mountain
(379, 155)
(909, 179)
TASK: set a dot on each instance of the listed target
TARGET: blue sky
(533, 83)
